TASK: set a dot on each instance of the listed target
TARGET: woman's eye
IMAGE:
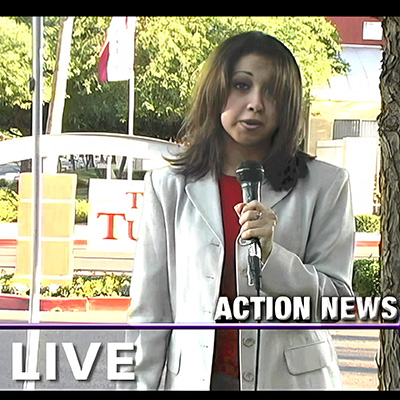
(241, 86)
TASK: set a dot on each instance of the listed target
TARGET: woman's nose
(255, 103)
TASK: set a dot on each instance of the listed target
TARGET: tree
(170, 53)
(15, 63)
(15, 72)
(389, 130)
(16, 69)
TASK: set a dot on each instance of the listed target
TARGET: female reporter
(246, 106)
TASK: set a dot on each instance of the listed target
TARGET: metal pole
(37, 129)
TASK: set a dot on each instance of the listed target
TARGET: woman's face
(250, 116)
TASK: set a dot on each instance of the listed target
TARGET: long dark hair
(202, 131)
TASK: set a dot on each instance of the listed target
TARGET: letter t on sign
(110, 225)
(134, 198)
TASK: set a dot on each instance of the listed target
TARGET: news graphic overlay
(301, 309)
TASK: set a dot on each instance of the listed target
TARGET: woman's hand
(257, 221)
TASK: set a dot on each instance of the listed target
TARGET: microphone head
(250, 171)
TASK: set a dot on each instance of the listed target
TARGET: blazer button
(248, 376)
(248, 342)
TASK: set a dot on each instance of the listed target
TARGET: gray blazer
(177, 274)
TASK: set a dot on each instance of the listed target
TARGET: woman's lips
(250, 124)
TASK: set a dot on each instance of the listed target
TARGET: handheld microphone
(250, 175)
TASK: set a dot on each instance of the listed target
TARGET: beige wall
(324, 112)
(359, 156)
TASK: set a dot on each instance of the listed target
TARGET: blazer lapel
(205, 196)
(270, 197)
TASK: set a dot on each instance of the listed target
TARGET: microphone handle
(252, 191)
(254, 264)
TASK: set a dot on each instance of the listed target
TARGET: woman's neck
(235, 153)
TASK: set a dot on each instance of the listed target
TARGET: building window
(372, 30)
(354, 128)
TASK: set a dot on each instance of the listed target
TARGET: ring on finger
(259, 215)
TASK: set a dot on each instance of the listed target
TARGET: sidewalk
(356, 350)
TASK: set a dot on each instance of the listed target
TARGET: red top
(226, 353)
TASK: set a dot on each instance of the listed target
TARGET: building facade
(342, 119)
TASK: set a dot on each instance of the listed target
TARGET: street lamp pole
(37, 130)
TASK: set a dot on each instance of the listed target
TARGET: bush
(367, 277)
(368, 223)
(9, 201)
(82, 207)
(108, 285)
(12, 185)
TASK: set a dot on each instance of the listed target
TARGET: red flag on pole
(118, 51)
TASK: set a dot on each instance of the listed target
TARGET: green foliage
(170, 54)
(367, 277)
(108, 285)
(82, 208)
(12, 185)
(10, 287)
(87, 38)
(12, 133)
(15, 63)
(9, 201)
(104, 110)
(368, 223)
